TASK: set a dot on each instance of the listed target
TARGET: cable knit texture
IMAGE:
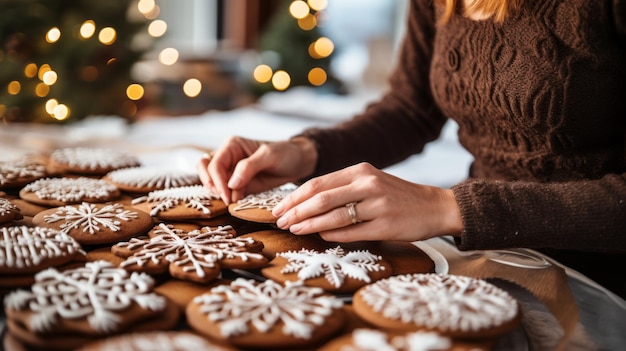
(540, 101)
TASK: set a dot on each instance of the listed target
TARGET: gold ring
(208, 155)
(352, 213)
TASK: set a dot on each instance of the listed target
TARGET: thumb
(248, 168)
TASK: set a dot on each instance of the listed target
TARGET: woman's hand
(387, 207)
(243, 166)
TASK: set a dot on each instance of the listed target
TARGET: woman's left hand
(387, 207)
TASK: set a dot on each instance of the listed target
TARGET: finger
(328, 221)
(249, 167)
(203, 172)
(219, 173)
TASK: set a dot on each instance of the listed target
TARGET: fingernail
(278, 210)
(280, 223)
(295, 228)
(225, 198)
(234, 182)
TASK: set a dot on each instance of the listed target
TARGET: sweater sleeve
(589, 215)
(403, 121)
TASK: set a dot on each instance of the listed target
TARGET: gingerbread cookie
(8, 211)
(27, 250)
(17, 173)
(197, 255)
(90, 161)
(267, 315)
(451, 305)
(258, 207)
(334, 270)
(147, 179)
(181, 203)
(156, 340)
(55, 192)
(367, 339)
(66, 310)
(92, 224)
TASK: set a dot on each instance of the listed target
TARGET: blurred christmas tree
(293, 50)
(64, 60)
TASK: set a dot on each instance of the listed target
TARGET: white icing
(97, 291)
(246, 304)
(154, 177)
(333, 263)
(89, 217)
(6, 206)
(376, 340)
(202, 248)
(10, 171)
(264, 200)
(195, 196)
(444, 302)
(94, 158)
(71, 189)
(166, 341)
(22, 246)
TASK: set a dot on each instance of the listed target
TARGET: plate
(441, 264)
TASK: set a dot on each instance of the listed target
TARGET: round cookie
(156, 340)
(17, 173)
(452, 305)
(197, 255)
(94, 224)
(90, 161)
(335, 269)
(266, 315)
(8, 211)
(147, 179)
(55, 192)
(181, 203)
(27, 250)
(275, 241)
(367, 339)
(258, 207)
(65, 310)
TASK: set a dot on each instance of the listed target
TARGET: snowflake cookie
(27, 250)
(266, 315)
(155, 340)
(8, 211)
(17, 173)
(333, 270)
(146, 179)
(258, 207)
(366, 339)
(65, 309)
(453, 305)
(196, 255)
(91, 161)
(92, 224)
(181, 203)
(54, 192)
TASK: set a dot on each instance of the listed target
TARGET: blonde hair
(496, 9)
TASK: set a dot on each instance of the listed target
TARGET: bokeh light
(53, 35)
(299, 9)
(30, 70)
(157, 28)
(281, 80)
(134, 91)
(308, 22)
(14, 87)
(192, 87)
(318, 5)
(50, 77)
(42, 89)
(168, 56)
(107, 35)
(262, 73)
(87, 29)
(317, 76)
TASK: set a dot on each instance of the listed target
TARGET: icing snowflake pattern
(93, 158)
(10, 171)
(334, 263)
(195, 250)
(96, 291)
(264, 200)
(22, 246)
(154, 177)
(151, 341)
(195, 196)
(245, 302)
(89, 217)
(437, 301)
(376, 340)
(71, 189)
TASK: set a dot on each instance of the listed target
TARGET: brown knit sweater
(540, 101)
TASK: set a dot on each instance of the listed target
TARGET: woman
(538, 91)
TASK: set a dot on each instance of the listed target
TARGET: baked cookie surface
(181, 203)
(258, 207)
(247, 313)
(156, 340)
(452, 305)
(17, 173)
(8, 211)
(93, 223)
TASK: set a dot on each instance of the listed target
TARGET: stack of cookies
(99, 252)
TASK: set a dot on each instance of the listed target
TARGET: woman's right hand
(244, 166)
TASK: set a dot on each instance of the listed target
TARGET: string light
(50, 77)
(134, 91)
(323, 47)
(262, 73)
(308, 22)
(14, 87)
(299, 9)
(157, 28)
(87, 29)
(30, 70)
(318, 5)
(42, 89)
(192, 87)
(146, 6)
(168, 56)
(50, 105)
(281, 80)
(61, 112)
(53, 35)
(107, 35)
(317, 76)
